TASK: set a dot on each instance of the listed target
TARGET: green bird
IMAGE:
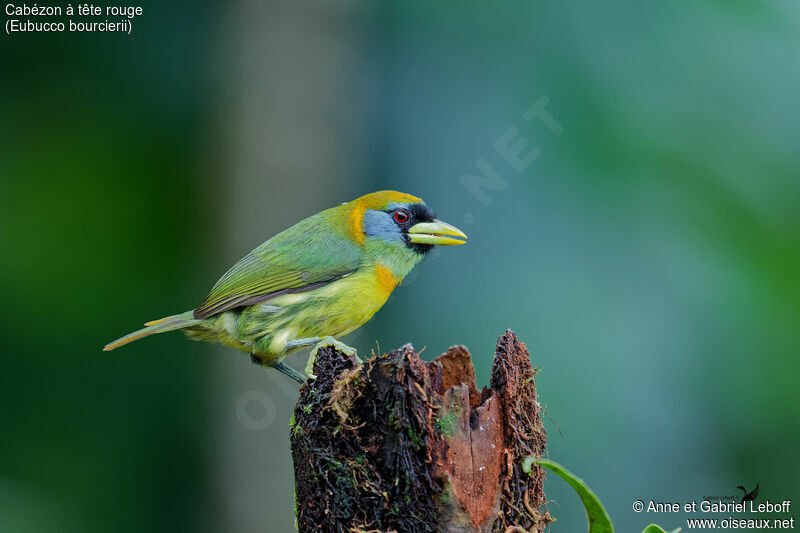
(317, 280)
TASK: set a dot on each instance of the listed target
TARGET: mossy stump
(398, 444)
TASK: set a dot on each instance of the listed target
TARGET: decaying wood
(398, 444)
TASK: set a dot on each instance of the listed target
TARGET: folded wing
(306, 256)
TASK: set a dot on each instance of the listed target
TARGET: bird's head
(400, 220)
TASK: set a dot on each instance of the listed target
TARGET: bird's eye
(400, 216)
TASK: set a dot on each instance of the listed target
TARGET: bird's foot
(333, 343)
(289, 371)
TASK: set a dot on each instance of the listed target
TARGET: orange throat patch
(386, 279)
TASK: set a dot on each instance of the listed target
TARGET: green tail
(170, 323)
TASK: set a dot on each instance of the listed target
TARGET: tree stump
(398, 444)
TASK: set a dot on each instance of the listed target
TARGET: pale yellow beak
(436, 232)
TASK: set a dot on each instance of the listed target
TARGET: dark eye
(400, 216)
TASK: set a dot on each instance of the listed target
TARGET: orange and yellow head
(399, 218)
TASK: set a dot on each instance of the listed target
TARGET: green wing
(301, 258)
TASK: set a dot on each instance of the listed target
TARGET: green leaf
(652, 528)
(599, 522)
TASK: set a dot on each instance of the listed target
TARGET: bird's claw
(285, 369)
(333, 343)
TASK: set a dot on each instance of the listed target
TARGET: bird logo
(318, 280)
(748, 496)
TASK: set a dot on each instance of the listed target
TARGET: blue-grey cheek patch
(380, 224)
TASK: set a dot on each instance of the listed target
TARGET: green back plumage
(312, 253)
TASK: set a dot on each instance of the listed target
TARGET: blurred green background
(648, 250)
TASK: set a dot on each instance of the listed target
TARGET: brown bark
(400, 444)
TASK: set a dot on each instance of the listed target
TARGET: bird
(748, 496)
(318, 280)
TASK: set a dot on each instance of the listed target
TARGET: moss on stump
(398, 444)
